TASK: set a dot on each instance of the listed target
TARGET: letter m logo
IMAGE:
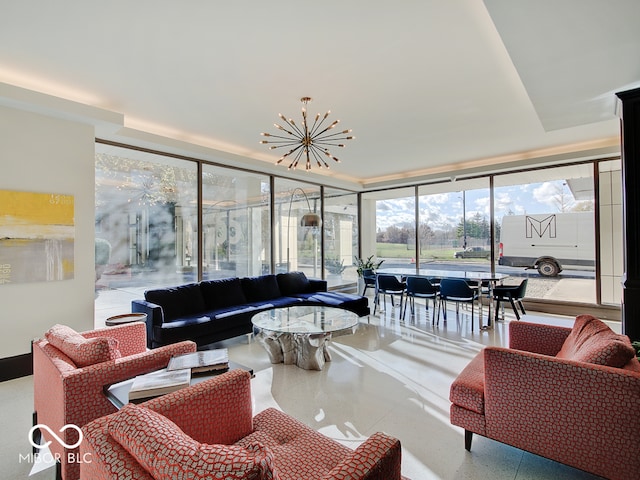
(540, 228)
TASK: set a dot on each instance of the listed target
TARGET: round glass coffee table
(299, 335)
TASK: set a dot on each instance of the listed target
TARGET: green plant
(368, 264)
(636, 345)
(334, 265)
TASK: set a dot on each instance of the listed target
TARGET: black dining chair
(512, 294)
(369, 277)
(388, 285)
(458, 291)
(420, 287)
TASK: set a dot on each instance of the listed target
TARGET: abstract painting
(37, 233)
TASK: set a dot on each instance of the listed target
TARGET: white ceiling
(428, 86)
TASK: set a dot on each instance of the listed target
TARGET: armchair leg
(468, 437)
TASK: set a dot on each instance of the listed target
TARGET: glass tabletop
(308, 319)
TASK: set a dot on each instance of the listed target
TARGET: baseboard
(16, 367)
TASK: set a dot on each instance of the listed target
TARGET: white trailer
(548, 242)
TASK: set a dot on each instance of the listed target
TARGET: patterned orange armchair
(207, 431)
(70, 371)
(568, 394)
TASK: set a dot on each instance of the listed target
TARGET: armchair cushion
(166, 452)
(592, 341)
(82, 351)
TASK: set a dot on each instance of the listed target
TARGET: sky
(444, 210)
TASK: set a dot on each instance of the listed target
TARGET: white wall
(48, 155)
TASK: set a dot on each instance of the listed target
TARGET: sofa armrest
(132, 337)
(317, 285)
(573, 412)
(83, 388)
(217, 410)
(537, 338)
(378, 458)
(155, 316)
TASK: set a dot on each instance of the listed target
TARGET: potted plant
(362, 265)
(368, 264)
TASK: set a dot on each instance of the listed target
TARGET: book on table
(201, 361)
(159, 383)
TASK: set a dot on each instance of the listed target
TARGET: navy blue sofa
(214, 310)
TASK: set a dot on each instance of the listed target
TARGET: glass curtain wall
(454, 225)
(389, 227)
(546, 231)
(236, 223)
(146, 220)
(297, 247)
(340, 236)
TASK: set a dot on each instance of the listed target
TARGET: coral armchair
(571, 395)
(207, 431)
(67, 394)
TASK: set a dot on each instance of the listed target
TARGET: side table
(125, 318)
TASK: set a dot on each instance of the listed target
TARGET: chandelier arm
(287, 154)
(327, 128)
(317, 153)
(292, 124)
(314, 132)
(280, 127)
(283, 144)
(331, 135)
(294, 163)
(280, 136)
(315, 122)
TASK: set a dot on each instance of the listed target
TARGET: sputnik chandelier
(310, 143)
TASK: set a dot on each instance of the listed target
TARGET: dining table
(491, 279)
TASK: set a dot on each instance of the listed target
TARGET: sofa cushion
(223, 292)
(592, 341)
(258, 289)
(291, 283)
(166, 452)
(82, 351)
(177, 301)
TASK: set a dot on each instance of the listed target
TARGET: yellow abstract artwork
(37, 233)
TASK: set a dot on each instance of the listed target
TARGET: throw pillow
(166, 452)
(82, 351)
(592, 341)
(291, 283)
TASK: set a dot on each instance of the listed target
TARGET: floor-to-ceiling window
(340, 236)
(297, 245)
(454, 224)
(148, 226)
(389, 231)
(236, 223)
(146, 221)
(545, 225)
